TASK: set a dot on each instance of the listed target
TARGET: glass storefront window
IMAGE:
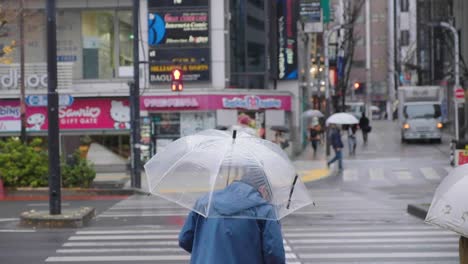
(107, 43)
(125, 38)
(98, 44)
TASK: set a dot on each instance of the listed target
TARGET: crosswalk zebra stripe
(123, 237)
(372, 240)
(403, 175)
(115, 258)
(116, 244)
(115, 232)
(366, 227)
(430, 174)
(377, 174)
(350, 175)
(368, 234)
(110, 250)
(141, 215)
(382, 246)
(337, 255)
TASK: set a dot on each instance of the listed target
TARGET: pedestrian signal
(177, 84)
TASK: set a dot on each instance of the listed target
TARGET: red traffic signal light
(177, 83)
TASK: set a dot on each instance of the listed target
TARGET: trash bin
(460, 152)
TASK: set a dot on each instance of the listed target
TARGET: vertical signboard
(287, 39)
(178, 36)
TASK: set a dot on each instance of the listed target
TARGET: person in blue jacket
(337, 144)
(223, 238)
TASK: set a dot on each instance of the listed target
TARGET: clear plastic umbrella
(312, 113)
(342, 119)
(198, 171)
(449, 207)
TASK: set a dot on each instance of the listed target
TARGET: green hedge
(26, 165)
(23, 165)
(77, 172)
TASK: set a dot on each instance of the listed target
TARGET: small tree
(351, 13)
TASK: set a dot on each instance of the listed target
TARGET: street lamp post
(456, 69)
(326, 39)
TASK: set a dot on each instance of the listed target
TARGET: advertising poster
(82, 114)
(178, 36)
(287, 40)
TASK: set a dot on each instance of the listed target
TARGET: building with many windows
(238, 57)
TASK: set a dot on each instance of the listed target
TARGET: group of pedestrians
(337, 143)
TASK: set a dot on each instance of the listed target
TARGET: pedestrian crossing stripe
(350, 175)
(377, 174)
(403, 175)
(430, 174)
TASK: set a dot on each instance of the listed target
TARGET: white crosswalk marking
(355, 241)
(350, 175)
(104, 245)
(430, 174)
(448, 169)
(377, 174)
(404, 175)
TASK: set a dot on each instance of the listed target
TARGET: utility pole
(391, 58)
(52, 107)
(326, 39)
(23, 73)
(368, 58)
(135, 179)
(456, 68)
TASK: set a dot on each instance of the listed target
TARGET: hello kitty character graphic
(36, 121)
(120, 114)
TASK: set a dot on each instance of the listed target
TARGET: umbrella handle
(291, 191)
(234, 134)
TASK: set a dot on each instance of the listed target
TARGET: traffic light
(177, 84)
(359, 88)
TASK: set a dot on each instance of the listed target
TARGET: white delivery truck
(419, 112)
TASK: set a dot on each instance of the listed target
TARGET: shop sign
(11, 80)
(82, 114)
(41, 100)
(251, 102)
(176, 3)
(193, 62)
(287, 40)
(178, 28)
(183, 102)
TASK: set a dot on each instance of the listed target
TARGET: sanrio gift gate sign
(84, 114)
(251, 102)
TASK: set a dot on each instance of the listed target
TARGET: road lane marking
(16, 231)
(383, 246)
(123, 237)
(430, 174)
(370, 234)
(8, 219)
(377, 174)
(140, 215)
(392, 255)
(105, 250)
(350, 175)
(404, 175)
(114, 244)
(373, 240)
(115, 258)
(363, 227)
(116, 232)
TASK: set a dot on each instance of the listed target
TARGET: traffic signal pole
(52, 111)
(326, 39)
(135, 179)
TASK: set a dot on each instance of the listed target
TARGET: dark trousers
(463, 249)
(338, 157)
(314, 145)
